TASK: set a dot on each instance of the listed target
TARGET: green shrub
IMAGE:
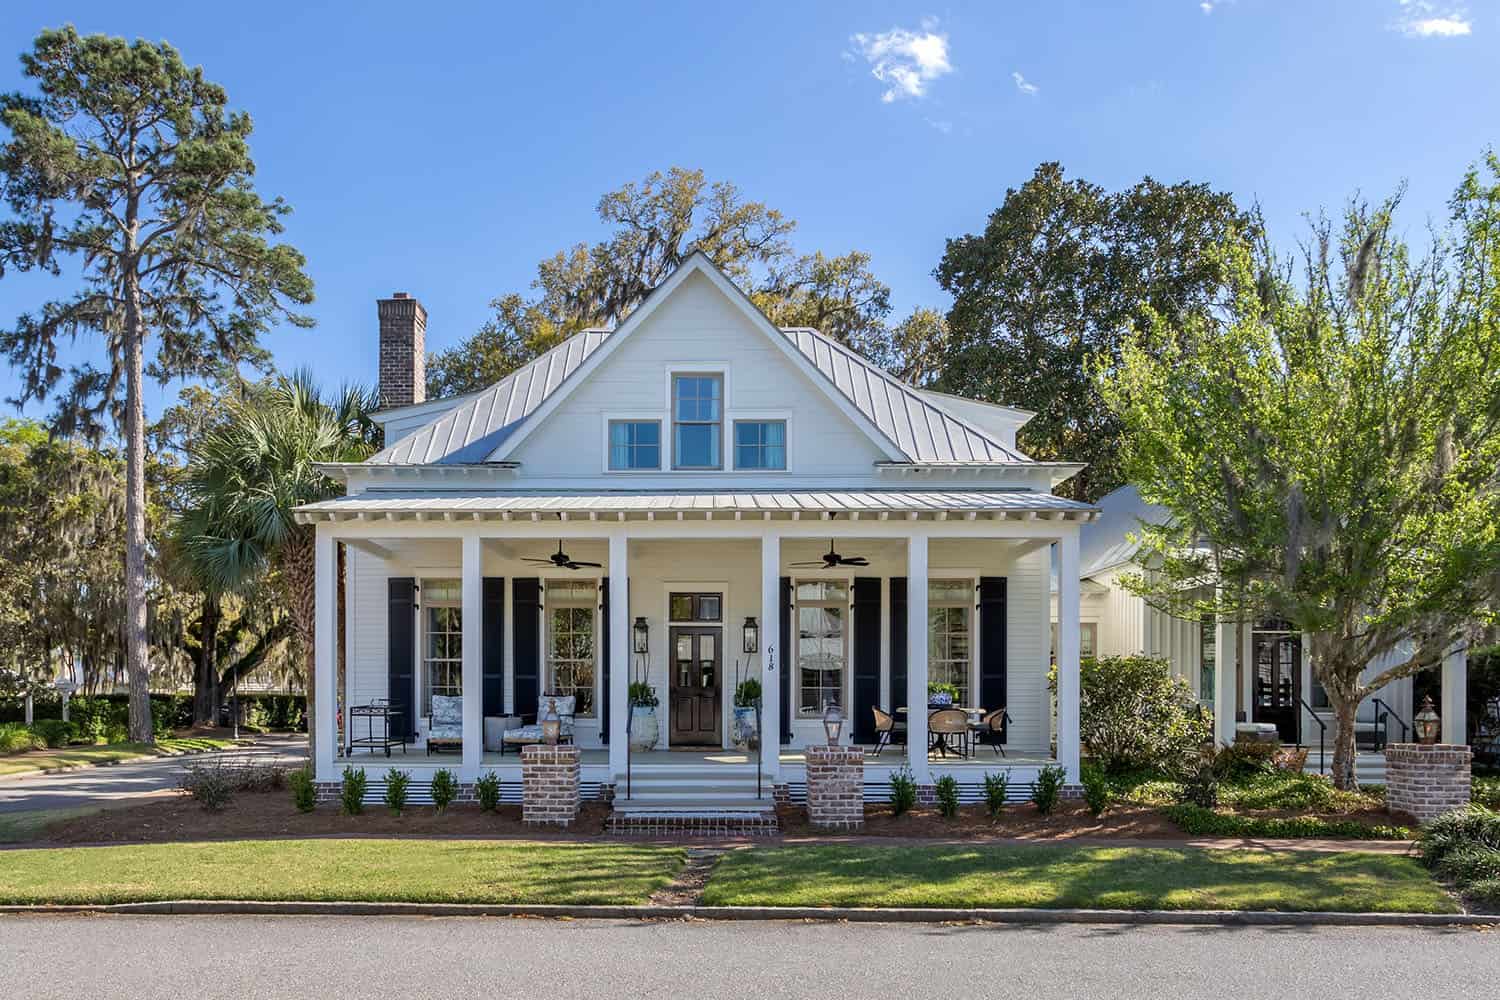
(352, 791)
(1243, 761)
(444, 788)
(641, 693)
(1095, 790)
(1200, 782)
(487, 788)
(1486, 792)
(903, 792)
(17, 738)
(210, 784)
(996, 786)
(162, 723)
(1047, 789)
(1454, 831)
(397, 783)
(304, 792)
(117, 732)
(1200, 822)
(55, 732)
(946, 792)
(1134, 714)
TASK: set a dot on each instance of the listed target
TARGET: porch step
(706, 817)
(1369, 768)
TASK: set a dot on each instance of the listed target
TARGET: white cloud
(1425, 19)
(905, 61)
(1024, 85)
(1206, 7)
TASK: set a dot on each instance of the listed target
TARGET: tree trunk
(206, 681)
(298, 571)
(1344, 748)
(137, 663)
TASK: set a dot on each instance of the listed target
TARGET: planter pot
(743, 731)
(644, 730)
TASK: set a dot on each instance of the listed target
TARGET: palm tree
(248, 474)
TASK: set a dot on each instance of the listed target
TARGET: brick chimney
(403, 350)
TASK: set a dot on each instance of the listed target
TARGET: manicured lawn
(108, 753)
(1051, 877)
(28, 824)
(448, 871)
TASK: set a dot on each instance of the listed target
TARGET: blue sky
(443, 149)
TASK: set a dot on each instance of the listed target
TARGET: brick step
(690, 823)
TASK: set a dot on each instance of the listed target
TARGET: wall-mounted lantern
(752, 635)
(639, 636)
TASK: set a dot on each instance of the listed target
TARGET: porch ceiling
(875, 504)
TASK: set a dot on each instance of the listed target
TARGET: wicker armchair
(887, 728)
(990, 730)
(944, 726)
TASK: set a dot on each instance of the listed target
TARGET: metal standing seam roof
(395, 502)
(923, 431)
(471, 431)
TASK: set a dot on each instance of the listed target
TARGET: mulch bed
(1021, 820)
(271, 815)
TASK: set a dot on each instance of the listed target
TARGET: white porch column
(1455, 707)
(774, 656)
(619, 650)
(325, 650)
(472, 569)
(1224, 693)
(1067, 653)
(916, 658)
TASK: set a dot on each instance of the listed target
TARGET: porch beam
(472, 569)
(893, 528)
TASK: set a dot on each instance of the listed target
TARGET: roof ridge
(910, 391)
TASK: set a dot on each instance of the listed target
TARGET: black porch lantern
(752, 635)
(1427, 724)
(639, 634)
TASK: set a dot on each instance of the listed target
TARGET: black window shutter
(788, 657)
(993, 692)
(866, 686)
(492, 644)
(603, 631)
(898, 643)
(526, 634)
(401, 653)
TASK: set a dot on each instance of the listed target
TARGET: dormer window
(634, 444)
(697, 421)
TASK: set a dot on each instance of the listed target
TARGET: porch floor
(891, 758)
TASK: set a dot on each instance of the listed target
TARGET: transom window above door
(697, 607)
(697, 421)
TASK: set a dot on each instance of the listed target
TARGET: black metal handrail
(1384, 713)
(629, 719)
(1322, 734)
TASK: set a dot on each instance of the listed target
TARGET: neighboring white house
(1275, 682)
(696, 464)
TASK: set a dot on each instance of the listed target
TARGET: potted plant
(941, 695)
(746, 732)
(644, 729)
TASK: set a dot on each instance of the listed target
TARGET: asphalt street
(131, 780)
(363, 957)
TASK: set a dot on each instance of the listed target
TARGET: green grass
(1053, 877)
(29, 824)
(445, 871)
(108, 753)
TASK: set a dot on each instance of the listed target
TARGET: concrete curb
(905, 915)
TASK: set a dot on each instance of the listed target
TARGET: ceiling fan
(832, 560)
(561, 560)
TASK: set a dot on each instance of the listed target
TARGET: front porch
(476, 609)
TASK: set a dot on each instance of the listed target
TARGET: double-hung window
(760, 444)
(442, 640)
(822, 644)
(950, 614)
(571, 635)
(697, 421)
(634, 444)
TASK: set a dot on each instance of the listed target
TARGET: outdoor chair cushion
(566, 706)
(447, 722)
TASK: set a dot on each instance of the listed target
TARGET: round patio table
(941, 744)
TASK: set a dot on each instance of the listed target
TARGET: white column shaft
(1067, 654)
(777, 654)
(619, 651)
(472, 571)
(1455, 707)
(325, 651)
(916, 659)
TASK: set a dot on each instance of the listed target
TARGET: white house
(698, 470)
(1270, 681)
